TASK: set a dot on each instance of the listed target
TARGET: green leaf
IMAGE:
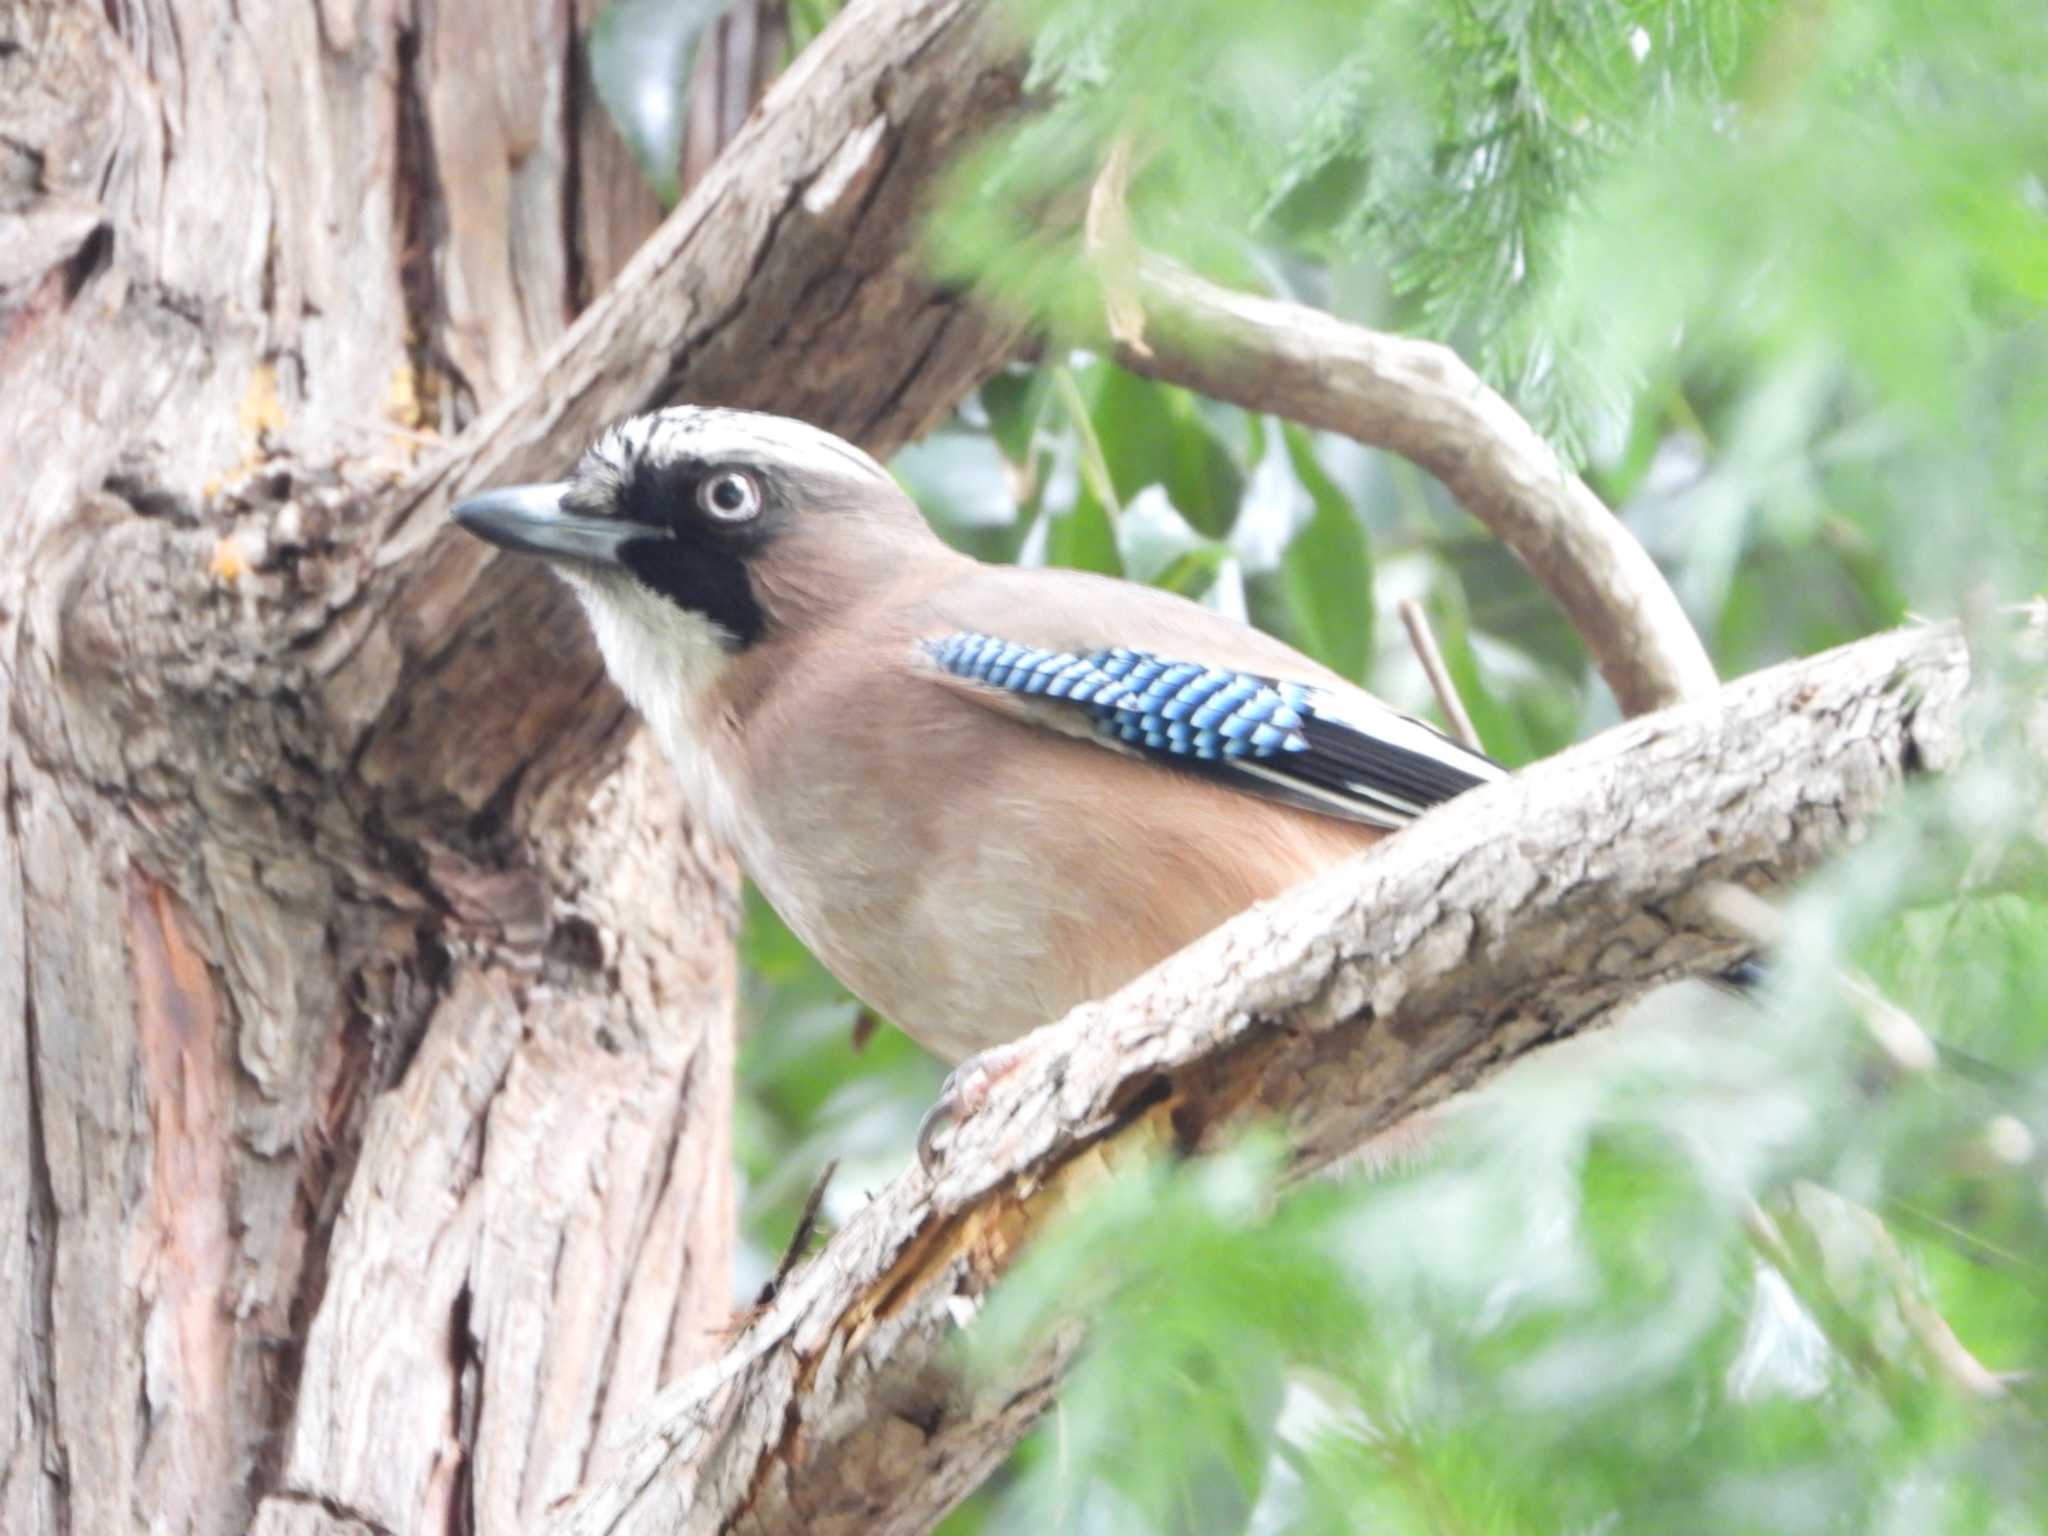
(1015, 403)
(1154, 434)
(1158, 547)
(1083, 538)
(1191, 573)
(1326, 570)
(966, 489)
(1095, 473)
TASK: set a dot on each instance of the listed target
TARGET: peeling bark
(1518, 915)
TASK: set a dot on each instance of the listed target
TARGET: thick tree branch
(1421, 401)
(1518, 915)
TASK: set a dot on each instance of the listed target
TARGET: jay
(980, 794)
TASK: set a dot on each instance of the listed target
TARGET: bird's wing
(1308, 740)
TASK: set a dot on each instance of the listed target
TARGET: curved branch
(1421, 401)
(1515, 916)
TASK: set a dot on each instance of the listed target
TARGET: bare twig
(1826, 1247)
(1423, 638)
(800, 1237)
(1421, 401)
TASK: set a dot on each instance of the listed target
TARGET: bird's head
(691, 535)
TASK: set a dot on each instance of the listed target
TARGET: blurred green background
(1773, 276)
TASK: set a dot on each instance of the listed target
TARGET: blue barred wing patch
(1284, 740)
(1173, 707)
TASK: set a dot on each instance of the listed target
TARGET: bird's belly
(1020, 922)
(959, 965)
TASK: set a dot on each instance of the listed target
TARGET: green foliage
(1859, 273)
(1448, 145)
(1326, 569)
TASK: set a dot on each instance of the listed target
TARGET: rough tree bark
(364, 1001)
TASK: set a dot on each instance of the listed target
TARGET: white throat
(665, 661)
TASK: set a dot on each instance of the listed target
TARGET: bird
(980, 794)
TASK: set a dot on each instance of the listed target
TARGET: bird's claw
(965, 1090)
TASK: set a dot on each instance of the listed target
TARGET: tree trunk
(365, 1002)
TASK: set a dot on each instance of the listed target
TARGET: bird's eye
(731, 496)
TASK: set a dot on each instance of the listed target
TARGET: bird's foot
(965, 1090)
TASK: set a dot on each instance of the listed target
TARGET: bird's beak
(530, 519)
